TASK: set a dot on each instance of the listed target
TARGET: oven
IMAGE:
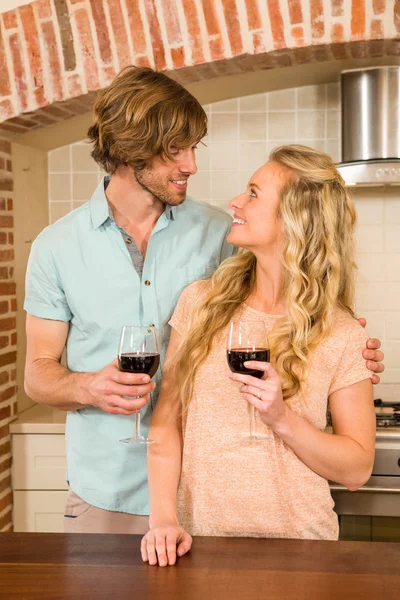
(380, 496)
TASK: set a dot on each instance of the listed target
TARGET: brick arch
(55, 54)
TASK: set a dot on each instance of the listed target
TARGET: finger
(248, 380)
(113, 410)
(185, 544)
(375, 355)
(129, 378)
(269, 371)
(143, 550)
(375, 379)
(363, 322)
(161, 550)
(375, 366)
(258, 404)
(255, 391)
(373, 343)
(130, 390)
(171, 548)
(128, 405)
(264, 384)
(151, 551)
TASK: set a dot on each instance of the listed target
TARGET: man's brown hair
(143, 114)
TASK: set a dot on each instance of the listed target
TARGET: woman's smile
(238, 221)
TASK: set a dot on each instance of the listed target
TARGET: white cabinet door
(39, 511)
(38, 462)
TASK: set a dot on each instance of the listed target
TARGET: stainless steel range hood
(371, 126)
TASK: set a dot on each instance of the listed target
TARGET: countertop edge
(36, 428)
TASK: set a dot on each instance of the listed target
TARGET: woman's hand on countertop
(163, 543)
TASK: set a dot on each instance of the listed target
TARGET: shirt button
(152, 325)
(147, 282)
(128, 240)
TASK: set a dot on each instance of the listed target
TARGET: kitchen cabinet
(38, 470)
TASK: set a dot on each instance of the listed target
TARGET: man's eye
(253, 194)
(195, 147)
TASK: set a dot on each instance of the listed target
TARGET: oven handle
(366, 488)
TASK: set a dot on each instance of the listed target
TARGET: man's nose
(188, 164)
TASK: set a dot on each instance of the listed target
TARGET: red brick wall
(55, 54)
(8, 335)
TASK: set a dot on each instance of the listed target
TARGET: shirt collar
(99, 206)
(100, 209)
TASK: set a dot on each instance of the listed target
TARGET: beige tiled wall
(378, 289)
(244, 130)
(73, 177)
(241, 134)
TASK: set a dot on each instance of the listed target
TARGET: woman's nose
(236, 202)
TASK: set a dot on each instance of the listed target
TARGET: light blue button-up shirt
(80, 271)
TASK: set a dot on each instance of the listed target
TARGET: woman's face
(256, 224)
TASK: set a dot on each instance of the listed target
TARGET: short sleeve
(352, 365)
(44, 296)
(190, 296)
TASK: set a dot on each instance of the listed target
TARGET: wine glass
(247, 340)
(139, 352)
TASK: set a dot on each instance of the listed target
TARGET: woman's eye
(253, 194)
(174, 151)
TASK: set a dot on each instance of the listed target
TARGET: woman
(295, 222)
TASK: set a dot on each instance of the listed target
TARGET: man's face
(168, 180)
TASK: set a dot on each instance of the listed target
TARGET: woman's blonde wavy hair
(318, 264)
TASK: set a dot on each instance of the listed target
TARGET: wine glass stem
(136, 435)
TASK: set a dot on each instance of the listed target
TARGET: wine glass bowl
(146, 363)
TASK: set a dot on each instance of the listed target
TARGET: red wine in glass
(146, 363)
(238, 356)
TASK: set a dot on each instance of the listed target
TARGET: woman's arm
(347, 456)
(165, 538)
(164, 456)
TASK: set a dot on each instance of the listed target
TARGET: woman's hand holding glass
(247, 342)
(163, 543)
(264, 394)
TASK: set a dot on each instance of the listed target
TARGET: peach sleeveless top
(263, 490)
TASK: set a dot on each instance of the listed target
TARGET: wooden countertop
(45, 566)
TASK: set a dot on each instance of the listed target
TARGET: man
(123, 258)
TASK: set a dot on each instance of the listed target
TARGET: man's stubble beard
(158, 189)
